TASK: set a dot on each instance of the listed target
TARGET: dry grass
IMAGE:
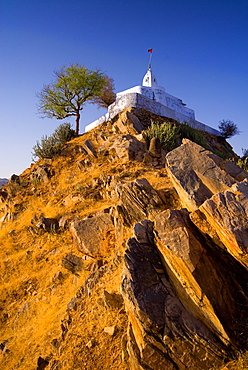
(32, 303)
(90, 347)
(240, 364)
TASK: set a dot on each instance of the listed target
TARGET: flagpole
(150, 58)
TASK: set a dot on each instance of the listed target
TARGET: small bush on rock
(170, 134)
(64, 133)
(167, 133)
(46, 148)
(228, 128)
(244, 153)
(243, 163)
(49, 146)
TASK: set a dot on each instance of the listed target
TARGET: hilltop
(117, 254)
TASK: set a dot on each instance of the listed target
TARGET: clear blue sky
(200, 54)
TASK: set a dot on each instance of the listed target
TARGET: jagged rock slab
(138, 200)
(41, 174)
(94, 235)
(128, 148)
(72, 263)
(128, 123)
(162, 333)
(199, 273)
(88, 148)
(233, 170)
(195, 174)
(227, 213)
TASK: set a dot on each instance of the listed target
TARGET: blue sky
(200, 54)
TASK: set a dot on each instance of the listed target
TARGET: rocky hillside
(116, 255)
(3, 181)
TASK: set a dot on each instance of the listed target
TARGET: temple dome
(149, 79)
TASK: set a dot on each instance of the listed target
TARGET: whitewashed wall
(136, 100)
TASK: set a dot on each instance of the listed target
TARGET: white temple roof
(149, 79)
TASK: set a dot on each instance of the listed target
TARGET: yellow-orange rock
(195, 174)
(227, 213)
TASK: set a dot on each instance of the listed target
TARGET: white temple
(154, 99)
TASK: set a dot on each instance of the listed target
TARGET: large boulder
(41, 174)
(195, 173)
(227, 213)
(128, 148)
(88, 148)
(128, 123)
(138, 200)
(95, 235)
(199, 272)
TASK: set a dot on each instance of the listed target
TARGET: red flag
(149, 50)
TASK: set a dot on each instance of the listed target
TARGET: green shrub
(244, 153)
(228, 128)
(243, 163)
(64, 133)
(166, 132)
(169, 133)
(46, 148)
(51, 145)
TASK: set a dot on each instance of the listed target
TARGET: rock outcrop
(181, 280)
(128, 123)
(227, 213)
(195, 174)
(198, 271)
(138, 200)
(41, 174)
(95, 235)
(162, 332)
(128, 148)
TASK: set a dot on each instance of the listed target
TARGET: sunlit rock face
(180, 291)
(227, 213)
(184, 279)
(171, 291)
(196, 174)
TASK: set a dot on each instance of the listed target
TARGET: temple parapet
(159, 95)
(136, 100)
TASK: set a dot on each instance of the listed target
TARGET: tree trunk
(77, 123)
